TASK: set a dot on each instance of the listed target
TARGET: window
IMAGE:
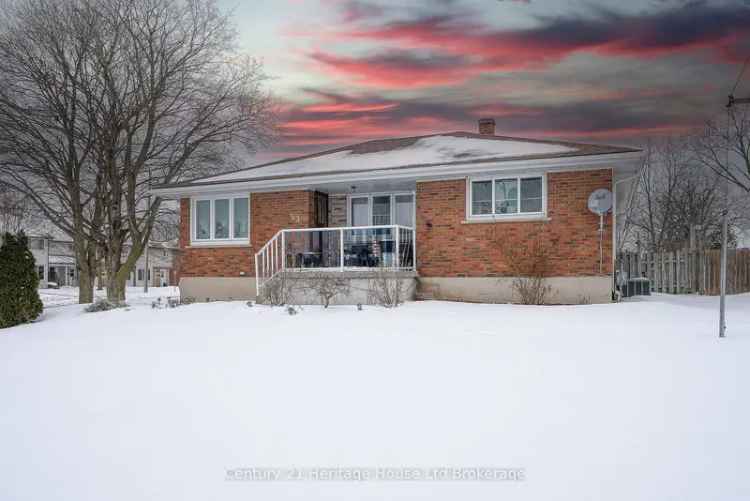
(221, 219)
(481, 198)
(382, 210)
(203, 220)
(405, 210)
(531, 194)
(360, 211)
(40, 272)
(140, 275)
(507, 196)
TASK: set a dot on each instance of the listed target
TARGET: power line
(739, 77)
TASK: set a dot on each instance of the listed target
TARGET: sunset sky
(345, 71)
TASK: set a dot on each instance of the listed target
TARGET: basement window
(220, 220)
(507, 197)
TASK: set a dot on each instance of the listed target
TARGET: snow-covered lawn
(64, 296)
(632, 401)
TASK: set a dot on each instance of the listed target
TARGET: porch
(354, 249)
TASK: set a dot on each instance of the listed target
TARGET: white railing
(351, 248)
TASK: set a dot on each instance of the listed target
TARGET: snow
(428, 150)
(65, 296)
(638, 400)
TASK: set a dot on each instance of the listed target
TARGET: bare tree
(677, 200)
(724, 147)
(16, 212)
(153, 91)
(45, 142)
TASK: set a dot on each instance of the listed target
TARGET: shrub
(278, 291)
(104, 305)
(326, 285)
(19, 297)
(530, 267)
(386, 288)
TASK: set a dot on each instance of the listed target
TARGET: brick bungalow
(449, 208)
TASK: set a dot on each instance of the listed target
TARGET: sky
(614, 72)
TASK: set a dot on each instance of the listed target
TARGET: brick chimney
(487, 126)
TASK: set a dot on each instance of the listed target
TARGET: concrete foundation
(359, 289)
(564, 290)
(303, 291)
(217, 288)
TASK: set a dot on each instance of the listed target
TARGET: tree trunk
(115, 282)
(85, 257)
(116, 287)
(85, 284)
(99, 274)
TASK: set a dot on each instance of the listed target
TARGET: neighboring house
(163, 260)
(443, 207)
(56, 263)
(55, 260)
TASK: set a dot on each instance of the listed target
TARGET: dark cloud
(337, 119)
(427, 72)
(394, 69)
(720, 29)
(355, 10)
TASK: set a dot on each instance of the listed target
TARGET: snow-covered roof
(457, 148)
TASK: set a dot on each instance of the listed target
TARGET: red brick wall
(454, 248)
(269, 212)
(272, 212)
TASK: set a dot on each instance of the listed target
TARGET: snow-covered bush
(19, 298)
(104, 305)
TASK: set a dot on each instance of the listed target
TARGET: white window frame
(516, 215)
(213, 241)
(369, 197)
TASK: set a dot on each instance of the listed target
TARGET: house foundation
(563, 290)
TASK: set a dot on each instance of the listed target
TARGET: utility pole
(145, 258)
(725, 223)
(148, 239)
(725, 228)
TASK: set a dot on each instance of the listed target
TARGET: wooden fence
(687, 271)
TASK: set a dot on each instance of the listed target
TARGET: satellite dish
(600, 201)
